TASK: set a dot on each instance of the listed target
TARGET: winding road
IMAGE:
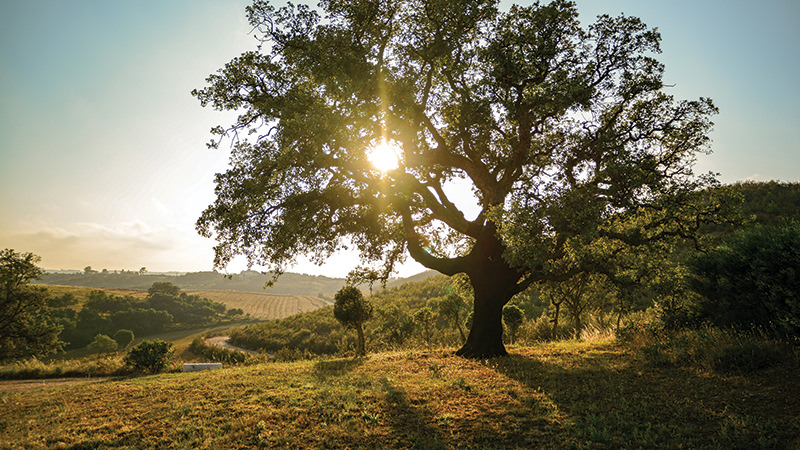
(223, 342)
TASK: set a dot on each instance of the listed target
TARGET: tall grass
(706, 347)
(94, 366)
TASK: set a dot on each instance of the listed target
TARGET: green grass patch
(573, 395)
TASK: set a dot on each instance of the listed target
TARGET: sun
(384, 157)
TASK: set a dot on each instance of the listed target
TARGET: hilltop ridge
(246, 281)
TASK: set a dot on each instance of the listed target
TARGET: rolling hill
(248, 281)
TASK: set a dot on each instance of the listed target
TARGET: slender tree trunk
(555, 320)
(362, 348)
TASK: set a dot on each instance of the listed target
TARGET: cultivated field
(260, 306)
(264, 306)
(82, 293)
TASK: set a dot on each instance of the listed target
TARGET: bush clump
(753, 280)
(123, 338)
(217, 354)
(102, 344)
(150, 356)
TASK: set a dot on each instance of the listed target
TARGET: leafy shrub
(102, 344)
(538, 330)
(216, 354)
(123, 338)
(513, 318)
(752, 280)
(150, 356)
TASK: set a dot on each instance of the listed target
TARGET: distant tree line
(250, 281)
(165, 306)
(33, 322)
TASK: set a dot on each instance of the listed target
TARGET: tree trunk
(555, 320)
(494, 285)
(578, 326)
(362, 348)
(493, 281)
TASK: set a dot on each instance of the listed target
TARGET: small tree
(103, 344)
(513, 318)
(425, 318)
(150, 356)
(453, 308)
(351, 309)
(123, 338)
(164, 287)
(579, 294)
(552, 291)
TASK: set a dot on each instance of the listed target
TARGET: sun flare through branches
(384, 156)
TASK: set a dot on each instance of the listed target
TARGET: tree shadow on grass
(335, 368)
(608, 400)
(410, 420)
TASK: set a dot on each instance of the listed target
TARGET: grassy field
(260, 306)
(82, 293)
(573, 395)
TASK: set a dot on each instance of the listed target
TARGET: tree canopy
(752, 280)
(26, 326)
(351, 309)
(566, 136)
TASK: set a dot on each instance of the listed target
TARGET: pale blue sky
(102, 148)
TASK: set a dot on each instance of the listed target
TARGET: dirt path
(29, 385)
(222, 341)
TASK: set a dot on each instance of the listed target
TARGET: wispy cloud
(127, 245)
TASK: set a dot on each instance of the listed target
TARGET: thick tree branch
(447, 266)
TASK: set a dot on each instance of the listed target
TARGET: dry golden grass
(554, 396)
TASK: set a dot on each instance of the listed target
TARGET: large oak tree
(570, 142)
